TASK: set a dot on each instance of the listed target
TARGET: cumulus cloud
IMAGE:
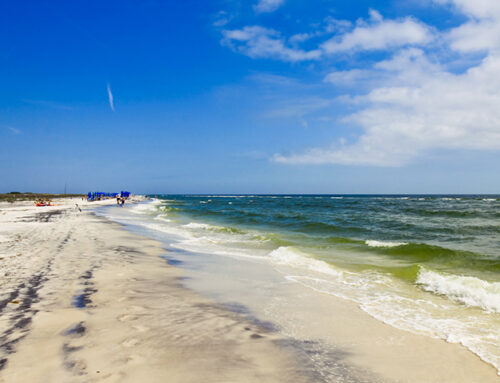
(260, 42)
(411, 102)
(481, 32)
(330, 26)
(374, 34)
(483, 9)
(380, 34)
(264, 6)
(420, 108)
(349, 77)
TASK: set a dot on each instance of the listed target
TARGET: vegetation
(17, 196)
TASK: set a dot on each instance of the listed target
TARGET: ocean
(426, 264)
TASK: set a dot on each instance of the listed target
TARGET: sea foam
(373, 243)
(470, 291)
(289, 256)
(146, 207)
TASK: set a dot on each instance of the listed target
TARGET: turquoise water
(425, 264)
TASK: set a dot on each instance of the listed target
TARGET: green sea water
(393, 234)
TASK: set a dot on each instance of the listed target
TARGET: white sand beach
(83, 300)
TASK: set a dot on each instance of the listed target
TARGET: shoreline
(99, 302)
(368, 346)
(83, 299)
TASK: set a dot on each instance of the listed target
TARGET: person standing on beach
(117, 201)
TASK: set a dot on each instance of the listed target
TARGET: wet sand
(83, 300)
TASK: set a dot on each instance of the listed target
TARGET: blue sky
(258, 96)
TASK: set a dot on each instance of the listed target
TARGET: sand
(83, 300)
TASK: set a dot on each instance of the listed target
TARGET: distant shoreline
(14, 196)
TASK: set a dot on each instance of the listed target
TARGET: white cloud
(420, 108)
(110, 98)
(373, 34)
(349, 77)
(482, 9)
(221, 19)
(301, 37)
(475, 37)
(481, 32)
(413, 102)
(260, 42)
(330, 25)
(264, 6)
(380, 34)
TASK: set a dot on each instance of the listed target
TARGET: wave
(470, 291)
(168, 229)
(374, 243)
(162, 218)
(194, 225)
(320, 227)
(422, 252)
(214, 228)
(146, 207)
(210, 245)
(444, 213)
(169, 208)
(341, 240)
(290, 256)
(386, 301)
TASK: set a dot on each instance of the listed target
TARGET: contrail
(110, 97)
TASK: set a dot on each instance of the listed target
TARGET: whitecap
(470, 291)
(196, 225)
(374, 243)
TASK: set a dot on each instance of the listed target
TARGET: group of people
(42, 202)
(120, 201)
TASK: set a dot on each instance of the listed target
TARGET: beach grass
(18, 196)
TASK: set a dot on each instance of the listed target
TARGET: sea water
(425, 264)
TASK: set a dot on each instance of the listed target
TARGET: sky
(250, 96)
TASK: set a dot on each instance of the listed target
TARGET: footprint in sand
(136, 308)
(131, 342)
(135, 359)
(126, 317)
(140, 328)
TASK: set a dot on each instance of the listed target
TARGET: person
(123, 201)
(117, 200)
